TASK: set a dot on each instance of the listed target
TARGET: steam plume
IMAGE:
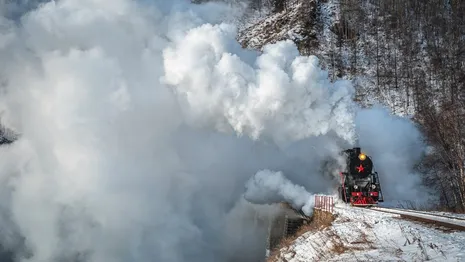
(273, 186)
(396, 146)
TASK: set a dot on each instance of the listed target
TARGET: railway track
(435, 219)
(428, 213)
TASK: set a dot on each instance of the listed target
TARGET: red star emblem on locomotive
(360, 168)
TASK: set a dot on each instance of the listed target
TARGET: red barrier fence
(324, 203)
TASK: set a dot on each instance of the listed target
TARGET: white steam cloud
(282, 96)
(119, 105)
(396, 146)
(268, 186)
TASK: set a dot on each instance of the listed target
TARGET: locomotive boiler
(360, 185)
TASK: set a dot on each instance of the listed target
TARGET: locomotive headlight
(373, 186)
(362, 156)
(355, 186)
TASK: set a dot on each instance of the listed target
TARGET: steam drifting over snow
(267, 186)
(141, 124)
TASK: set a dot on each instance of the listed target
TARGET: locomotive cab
(359, 182)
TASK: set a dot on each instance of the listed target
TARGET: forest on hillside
(415, 49)
(410, 55)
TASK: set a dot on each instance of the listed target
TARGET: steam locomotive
(359, 183)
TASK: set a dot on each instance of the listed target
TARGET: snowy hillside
(294, 23)
(366, 235)
(318, 28)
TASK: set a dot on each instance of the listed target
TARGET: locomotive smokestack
(357, 151)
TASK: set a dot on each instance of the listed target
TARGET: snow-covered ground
(436, 216)
(449, 214)
(366, 235)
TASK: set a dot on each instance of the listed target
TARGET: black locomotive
(360, 185)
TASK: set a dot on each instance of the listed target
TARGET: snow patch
(361, 234)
